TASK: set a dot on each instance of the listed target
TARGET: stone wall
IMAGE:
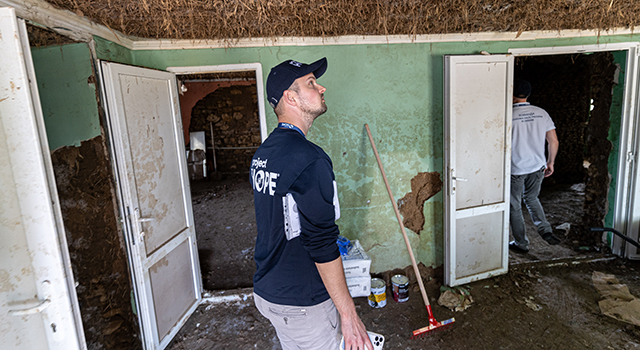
(233, 113)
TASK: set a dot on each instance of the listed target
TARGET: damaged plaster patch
(411, 206)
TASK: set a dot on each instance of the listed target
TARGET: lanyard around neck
(292, 127)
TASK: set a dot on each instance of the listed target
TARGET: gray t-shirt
(529, 130)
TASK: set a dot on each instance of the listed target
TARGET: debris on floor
(618, 302)
(456, 299)
(531, 304)
(564, 228)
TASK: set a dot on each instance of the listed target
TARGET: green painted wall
(67, 92)
(398, 90)
(113, 52)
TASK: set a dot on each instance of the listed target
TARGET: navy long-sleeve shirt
(296, 205)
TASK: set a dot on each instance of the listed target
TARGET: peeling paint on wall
(397, 89)
(411, 206)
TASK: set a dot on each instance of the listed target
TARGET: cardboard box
(357, 263)
(359, 286)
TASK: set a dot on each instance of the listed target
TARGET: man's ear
(289, 97)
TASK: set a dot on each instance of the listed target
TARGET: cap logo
(296, 64)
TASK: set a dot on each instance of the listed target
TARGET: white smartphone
(376, 339)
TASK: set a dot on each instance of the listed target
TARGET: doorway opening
(582, 93)
(222, 126)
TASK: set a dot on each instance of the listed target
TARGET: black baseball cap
(521, 88)
(283, 75)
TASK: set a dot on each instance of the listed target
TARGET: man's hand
(355, 334)
(552, 148)
(353, 330)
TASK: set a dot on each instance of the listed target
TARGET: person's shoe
(550, 238)
(516, 248)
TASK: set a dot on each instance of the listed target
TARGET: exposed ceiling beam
(64, 22)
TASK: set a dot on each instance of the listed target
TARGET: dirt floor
(226, 232)
(547, 300)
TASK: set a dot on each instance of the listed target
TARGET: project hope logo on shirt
(261, 179)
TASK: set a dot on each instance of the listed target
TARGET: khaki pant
(303, 327)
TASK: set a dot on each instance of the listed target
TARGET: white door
(146, 132)
(478, 103)
(38, 309)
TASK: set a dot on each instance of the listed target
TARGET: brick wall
(233, 113)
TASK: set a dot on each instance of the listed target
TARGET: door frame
(129, 218)
(626, 210)
(227, 68)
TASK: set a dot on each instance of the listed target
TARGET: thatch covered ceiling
(233, 19)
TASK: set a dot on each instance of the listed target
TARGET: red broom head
(433, 328)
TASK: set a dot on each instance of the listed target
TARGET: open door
(38, 304)
(478, 106)
(147, 139)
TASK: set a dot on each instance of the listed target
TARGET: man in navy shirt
(299, 284)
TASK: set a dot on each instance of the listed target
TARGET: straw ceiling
(233, 19)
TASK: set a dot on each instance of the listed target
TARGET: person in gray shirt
(531, 127)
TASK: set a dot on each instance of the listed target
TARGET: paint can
(400, 285)
(378, 296)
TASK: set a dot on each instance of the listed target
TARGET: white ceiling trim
(80, 28)
(165, 44)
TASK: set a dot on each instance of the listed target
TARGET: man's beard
(313, 113)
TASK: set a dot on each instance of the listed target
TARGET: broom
(434, 326)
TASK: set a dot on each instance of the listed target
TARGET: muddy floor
(547, 300)
(532, 307)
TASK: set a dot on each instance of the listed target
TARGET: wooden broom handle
(395, 208)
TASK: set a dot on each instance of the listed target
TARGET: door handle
(140, 220)
(27, 309)
(454, 179)
(30, 310)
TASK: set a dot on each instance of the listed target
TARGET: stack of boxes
(357, 265)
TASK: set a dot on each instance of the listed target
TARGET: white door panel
(154, 162)
(477, 162)
(146, 132)
(36, 303)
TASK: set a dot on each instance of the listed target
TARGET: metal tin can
(400, 285)
(378, 296)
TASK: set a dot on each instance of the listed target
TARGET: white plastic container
(357, 263)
